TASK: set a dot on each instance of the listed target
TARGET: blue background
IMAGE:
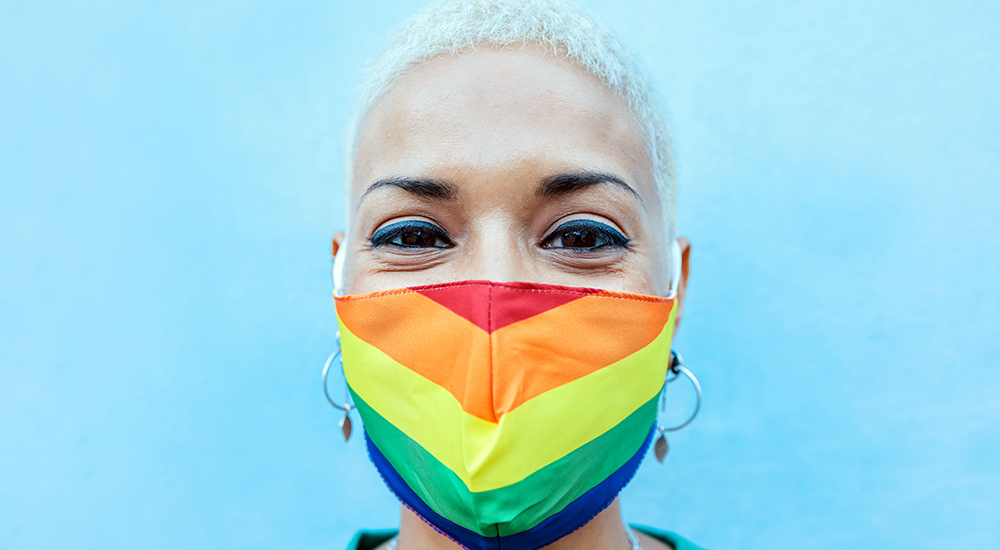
(170, 181)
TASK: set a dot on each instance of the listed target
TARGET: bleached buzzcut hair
(452, 27)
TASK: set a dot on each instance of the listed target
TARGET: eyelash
(395, 232)
(611, 237)
(604, 234)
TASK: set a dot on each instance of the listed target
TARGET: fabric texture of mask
(506, 415)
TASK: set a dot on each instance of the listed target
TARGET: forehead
(506, 111)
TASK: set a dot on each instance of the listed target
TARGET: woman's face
(505, 165)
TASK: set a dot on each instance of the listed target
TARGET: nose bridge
(497, 251)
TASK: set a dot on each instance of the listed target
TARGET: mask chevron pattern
(506, 415)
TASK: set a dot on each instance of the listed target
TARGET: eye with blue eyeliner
(412, 234)
(584, 235)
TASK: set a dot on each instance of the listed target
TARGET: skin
(448, 185)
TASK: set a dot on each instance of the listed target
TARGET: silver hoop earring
(676, 369)
(345, 423)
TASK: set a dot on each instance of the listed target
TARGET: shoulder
(369, 540)
(670, 539)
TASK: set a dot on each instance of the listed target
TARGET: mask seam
(599, 294)
(493, 399)
(489, 324)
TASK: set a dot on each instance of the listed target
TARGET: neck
(604, 532)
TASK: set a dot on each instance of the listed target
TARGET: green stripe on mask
(523, 505)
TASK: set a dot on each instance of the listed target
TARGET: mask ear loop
(337, 271)
(337, 274)
(676, 368)
(675, 281)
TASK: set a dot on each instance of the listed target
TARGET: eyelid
(585, 221)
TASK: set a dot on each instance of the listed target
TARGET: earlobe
(685, 246)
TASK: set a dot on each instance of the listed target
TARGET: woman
(510, 281)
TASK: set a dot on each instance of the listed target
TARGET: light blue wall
(169, 178)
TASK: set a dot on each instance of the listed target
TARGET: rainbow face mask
(506, 415)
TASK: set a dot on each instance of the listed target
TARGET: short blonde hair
(451, 27)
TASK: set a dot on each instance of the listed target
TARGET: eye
(585, 235)
(411, 234)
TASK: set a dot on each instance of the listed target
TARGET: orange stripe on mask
(430, 340)
(569, 342)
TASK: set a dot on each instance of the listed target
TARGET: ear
(682, 286)
(338, 241)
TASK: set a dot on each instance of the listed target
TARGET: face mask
(506, 415)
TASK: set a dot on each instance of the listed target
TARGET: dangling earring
(345, 423)
(676, 369)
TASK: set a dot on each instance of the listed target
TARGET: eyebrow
(555, 186)
(428, 189)
(563, 184)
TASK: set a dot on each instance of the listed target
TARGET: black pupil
(579, 238)
(417, 237)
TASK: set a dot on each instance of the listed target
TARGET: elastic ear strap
(338, 268)
(675, 281)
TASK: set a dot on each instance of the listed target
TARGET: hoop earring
(345, 423)
(676, 368)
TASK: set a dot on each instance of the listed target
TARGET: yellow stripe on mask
(536, 434)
